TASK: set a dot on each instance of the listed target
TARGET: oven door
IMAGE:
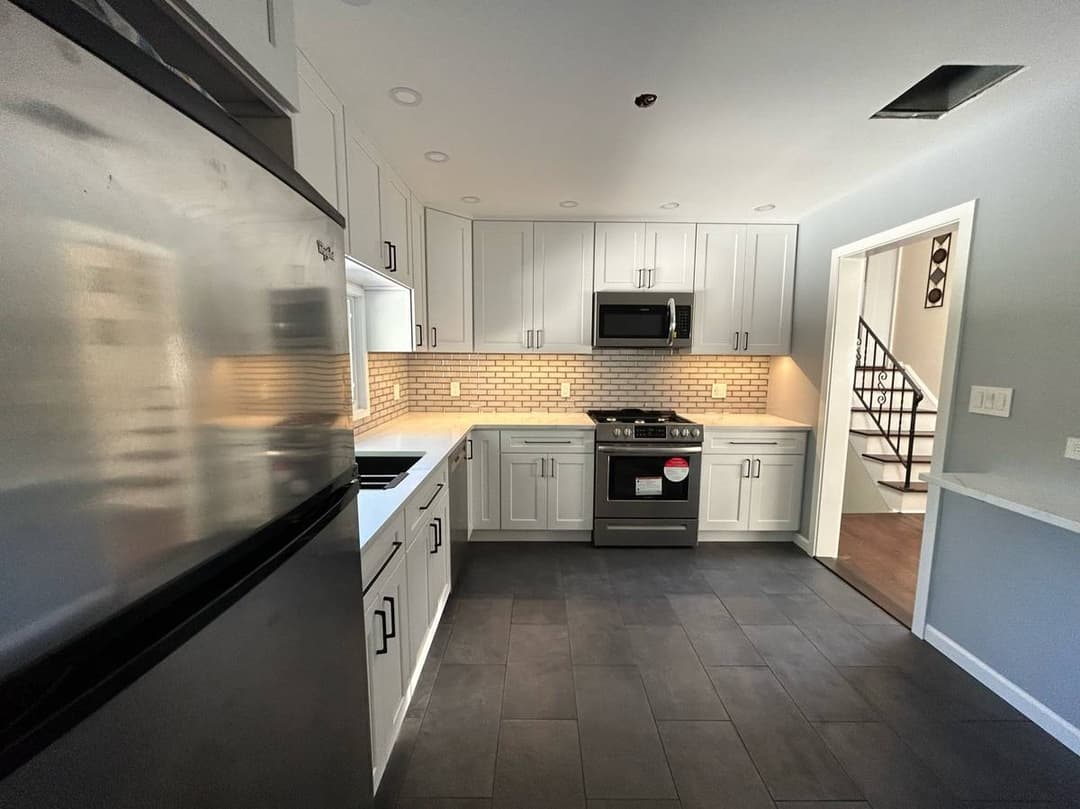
(642, 320)
(647, 480)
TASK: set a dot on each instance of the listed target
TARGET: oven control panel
(656, 433)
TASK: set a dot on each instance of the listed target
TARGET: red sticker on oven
(676, 469)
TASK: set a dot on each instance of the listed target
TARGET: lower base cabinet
(545, 481)
(438, 558)
(416, 567)
(388, 659)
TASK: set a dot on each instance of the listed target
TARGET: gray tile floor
(732, 676)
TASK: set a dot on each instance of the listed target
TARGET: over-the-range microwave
(642, 319)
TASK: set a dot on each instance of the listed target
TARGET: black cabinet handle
(757, 467)
(468, 453)
(736, 341)
(393, 617)
(419, 336)
(438, 532)
(434, 337)
(383, 566)
(434, 545)
(385, 648)
(389, 253)
(393, 257)
(746, 341)
(438, 489)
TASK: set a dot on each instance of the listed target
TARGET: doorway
(884, 417)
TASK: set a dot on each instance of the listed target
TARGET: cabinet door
(524, 491)
(718, 288)
(319, 136)
(669, 257)
(484, 480)
(768, 289)
(619, 256)
(449, 282)
(570, 492)
(725, 493)
(503, 287)
(438, 556)
(386, 653)
(364, 218)
(419, 614)
(394, 212)
(562, 286)
(776, 493)
(417, 253)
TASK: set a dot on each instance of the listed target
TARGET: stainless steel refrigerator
(181, 607)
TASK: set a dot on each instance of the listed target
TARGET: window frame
(356, 311)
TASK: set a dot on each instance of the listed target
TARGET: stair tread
(886, 410)
(888, 457)
(916, 487)
(876, 433)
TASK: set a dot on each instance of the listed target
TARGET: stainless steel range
(648, 478)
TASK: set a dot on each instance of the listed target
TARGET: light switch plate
(397, 391)
(987, 401)
(1072, 448)
(564, 390)
(455, 389)
(719, 390)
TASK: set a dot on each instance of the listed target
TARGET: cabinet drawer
(418, 506)
(382, 552)
(775, 442)
(541, 441)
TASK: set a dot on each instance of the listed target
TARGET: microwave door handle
(671, 323)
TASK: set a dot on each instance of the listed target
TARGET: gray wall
(1021, 329)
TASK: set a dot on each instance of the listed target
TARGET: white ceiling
(761, 101)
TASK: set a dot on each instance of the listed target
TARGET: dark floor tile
(806, 608)
(424, 684)
(597, 634)
(703, 610)
(540, 689)
(852, 606)
(819, 690)
(711, 767)
(481, 631)
(754, 610)
(724, 647)
(841, 643)
(675, 682)
(728, 582)
(789, 754)
(654, 611)
(455, 751)
(605, 804)
(776, 582)
(439, 642)
(539, 642)
(822, 805)
(538, 766)
(516, 571)
(587, 584)
(444, 803)
(644, 582)
(1045, 760)
(394, 775)
(886, 770)
(539, 611)
(620, 748)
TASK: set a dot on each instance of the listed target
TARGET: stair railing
(888, 393)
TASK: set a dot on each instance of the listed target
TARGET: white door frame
(834, 417)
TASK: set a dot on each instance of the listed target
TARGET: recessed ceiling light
(768, 206)
(670, 206)
(405, 96)
(470, 199)
(436, 156)
(568, 203)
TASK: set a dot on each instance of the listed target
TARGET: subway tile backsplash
(609, 378)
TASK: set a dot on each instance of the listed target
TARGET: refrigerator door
(264, 708)
(174, 356)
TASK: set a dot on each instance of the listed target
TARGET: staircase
(891, 427)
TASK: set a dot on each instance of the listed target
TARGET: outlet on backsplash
(719, 390)
(564, 390)
(455, 389)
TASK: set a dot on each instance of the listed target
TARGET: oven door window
(633, 321)
(650, 477)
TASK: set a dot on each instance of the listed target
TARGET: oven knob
(696, 433)
(685, 432)
(617, 432)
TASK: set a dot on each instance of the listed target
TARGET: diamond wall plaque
(938, 272)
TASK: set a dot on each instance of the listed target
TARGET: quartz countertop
(1020, 496)
(744, 421)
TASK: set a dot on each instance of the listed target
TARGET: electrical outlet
(990, 401)
(564, 390)
(1072, 448)
(719, 390)
(397, 391)
(455, 389)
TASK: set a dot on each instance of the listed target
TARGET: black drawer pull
(438, 532)
(393, 617)
(438, 489)
(382, 567)
(389, 260)
(385, 648)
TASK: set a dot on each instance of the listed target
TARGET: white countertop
(1031, 500)
(745, 421)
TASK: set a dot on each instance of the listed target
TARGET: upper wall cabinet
(256, 37)
(419, 274)
(533, 286)
(319, 136)
(449, 281)
(744, 281)
(363, 217)
(394, 198)
(633, 256)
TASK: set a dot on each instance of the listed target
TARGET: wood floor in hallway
(879, 557)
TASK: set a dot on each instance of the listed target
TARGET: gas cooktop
(630, 415)
(631, 424)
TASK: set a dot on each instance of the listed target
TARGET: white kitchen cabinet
(438, 556)
(363, 217)
(524, 491)
(319, 136)
(776, 498)
(562, 287)
(256, 36)
(449, 281)
(570, 492)
(419, 273)
(387, 660)
(483, 454)
(656, 256)
(418, 612)
(744, 282)
(725, 493)
(394, 198)
(503, 286)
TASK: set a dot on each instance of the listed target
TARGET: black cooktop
(630, 415)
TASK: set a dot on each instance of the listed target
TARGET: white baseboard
(1058, 727)
(745, 536)
(531, 536)
(804, 544)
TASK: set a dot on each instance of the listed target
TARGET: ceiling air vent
(945, 89)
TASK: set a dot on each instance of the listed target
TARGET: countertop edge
(991, 489)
